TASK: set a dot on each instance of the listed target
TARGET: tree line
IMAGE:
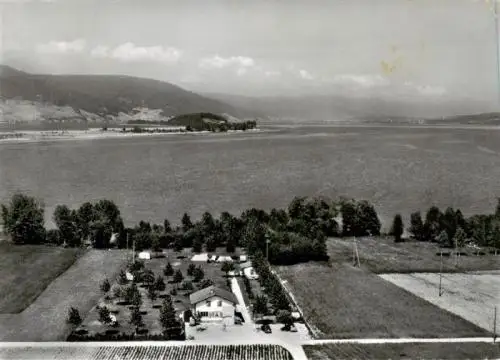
(291, 235)
(451, 228)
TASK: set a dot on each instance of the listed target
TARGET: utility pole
(441, 274)
(355, 253)
(267, 247)
(127, 246)
(133, 251)
(497, 46)
(495, 325)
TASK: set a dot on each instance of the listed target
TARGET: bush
(104, 315)
(105, 286)
(284, 317)
(74, 316)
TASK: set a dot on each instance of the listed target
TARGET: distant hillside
(39, 98)
(339, 107)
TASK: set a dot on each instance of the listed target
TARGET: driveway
(235, 287)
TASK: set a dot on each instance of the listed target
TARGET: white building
(248, 270)
(145, 255)
(214, 304)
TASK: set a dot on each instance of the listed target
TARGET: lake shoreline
(36, 136)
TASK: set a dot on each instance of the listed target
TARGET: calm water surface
(398, 169)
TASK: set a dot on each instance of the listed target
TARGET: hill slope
(96, 97)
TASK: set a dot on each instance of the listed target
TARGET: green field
(78, 286)
(342, 301)
(451, 351)
(381, 255)
(27, 270)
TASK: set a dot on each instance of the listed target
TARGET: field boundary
(290, 295)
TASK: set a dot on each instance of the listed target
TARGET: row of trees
(295, 234)
(222, 126)
(450, 228)
(275, 294)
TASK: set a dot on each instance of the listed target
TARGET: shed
(243, 258)
(129, 276)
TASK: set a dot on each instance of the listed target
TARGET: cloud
(305, 75)
(61, 47)
(365, 81)
(218, 62)
(128, 52)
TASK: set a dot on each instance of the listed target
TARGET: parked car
(266, 328)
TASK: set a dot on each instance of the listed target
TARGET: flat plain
(45, 318)
(342, 301)
(451, 351)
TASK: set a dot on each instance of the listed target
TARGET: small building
(243, 258)
(129, 276)
(214, 304)
(145, 255)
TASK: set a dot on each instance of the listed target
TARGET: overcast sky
(426, 48)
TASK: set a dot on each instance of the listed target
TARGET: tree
(296, 207)
(349, 218)
(53, 237)
(207, 223)
(369, 223)
(227, 267)
(148, 277)
(137, 299)
(260, 305)
(169, 270)
(136, 318)
(168, 319)
(74, 317)
(104, 315)
(397, 228)
(442, 239)
(23, 219)
(105, 286)
(131, 292)
(191, 269)
(459, 240)
(159, 284)
(417, 226)
(167, 227)
(155, 243)
(205, 283)
(122, 277)
(178, 277)
(65, 222)
(152, 293)
(187, 285)
(187, 224)
(198, 274)
(432, 223)
(448, 222)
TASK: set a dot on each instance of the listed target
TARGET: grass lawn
(382, 255)
(341, 301)
(45, 318)
(151, 309)
(452, 351)
(27, 270)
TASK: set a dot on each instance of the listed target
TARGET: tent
(224, 259)
(200, 257)
(145, 255)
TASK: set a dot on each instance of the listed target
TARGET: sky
(430, 49)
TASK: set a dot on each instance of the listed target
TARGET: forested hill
(32, 97)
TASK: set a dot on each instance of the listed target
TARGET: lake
(399, 169)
